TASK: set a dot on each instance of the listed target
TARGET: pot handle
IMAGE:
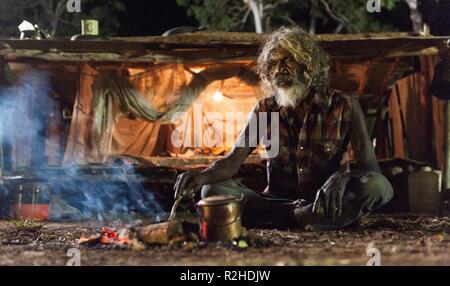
(238, 215)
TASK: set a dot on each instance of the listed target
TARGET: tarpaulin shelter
(118, 96)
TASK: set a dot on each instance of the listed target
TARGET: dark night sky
(153, 17)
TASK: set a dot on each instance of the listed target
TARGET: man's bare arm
(360, 140)
(225, 168)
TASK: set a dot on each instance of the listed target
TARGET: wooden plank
(252, 38)
(197, 56)
(180, 56)
(345, 46)
(380, 76)
(212, 46)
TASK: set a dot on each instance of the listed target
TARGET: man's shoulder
(342, 96)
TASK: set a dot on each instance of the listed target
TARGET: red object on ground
(107, 236)
(30, 211)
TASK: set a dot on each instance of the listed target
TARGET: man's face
(287, 76)
(284, 70)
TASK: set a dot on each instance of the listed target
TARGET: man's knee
(229, 187)
(210, 190)
(376, 188)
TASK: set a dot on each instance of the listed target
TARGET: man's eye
(302, 68)
(291, 62)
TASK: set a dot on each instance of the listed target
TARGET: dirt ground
(406, 240)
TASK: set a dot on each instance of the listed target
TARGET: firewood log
(160, 233)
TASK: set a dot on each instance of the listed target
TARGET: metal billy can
(220, 218)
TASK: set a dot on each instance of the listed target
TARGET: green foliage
(355, 15)
(242, 244)
(26, 224)
(223, 15)
(102, 10)
(42, 13)
(389, 4)
(228, 15)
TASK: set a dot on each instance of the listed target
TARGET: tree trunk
(415, 15)
(54, 13)
(312, 17)
(257, 14)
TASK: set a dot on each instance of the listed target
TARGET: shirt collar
(319, 99)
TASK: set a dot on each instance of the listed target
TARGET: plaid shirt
(314, 140)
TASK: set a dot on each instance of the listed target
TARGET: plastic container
(424, 191)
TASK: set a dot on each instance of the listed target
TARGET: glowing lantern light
(218, 97)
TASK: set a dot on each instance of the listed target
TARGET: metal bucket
(31, 201)
(220, 218)
(89, 27)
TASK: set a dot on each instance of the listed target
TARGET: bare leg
(363, 195)
(258, 209)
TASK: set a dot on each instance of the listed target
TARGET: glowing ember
(108, 236)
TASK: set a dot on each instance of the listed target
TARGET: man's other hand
(328, 200)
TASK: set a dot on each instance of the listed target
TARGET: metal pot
(31, 200)
(220, 218)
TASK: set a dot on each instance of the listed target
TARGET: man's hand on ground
(328, 200)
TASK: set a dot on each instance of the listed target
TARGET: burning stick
(163, 233)
(173, 211)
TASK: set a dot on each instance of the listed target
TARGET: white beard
(290, 97)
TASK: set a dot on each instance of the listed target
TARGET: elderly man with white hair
(309, 179)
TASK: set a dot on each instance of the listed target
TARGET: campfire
(172, 232)
(218, 219)
(108, 236)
